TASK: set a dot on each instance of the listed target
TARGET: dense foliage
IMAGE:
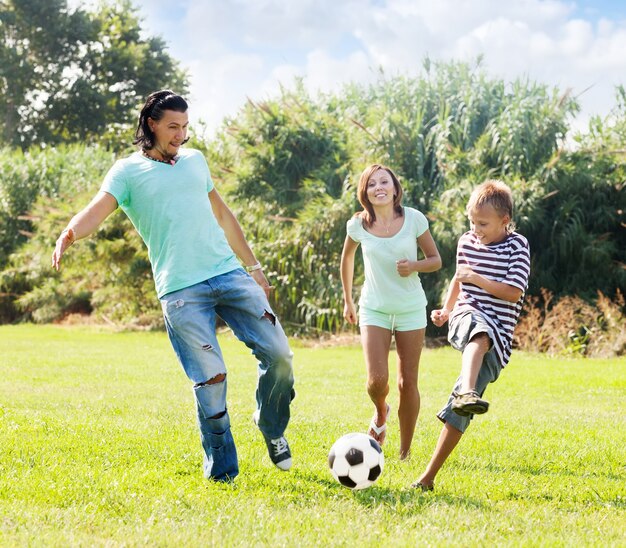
(288, 168)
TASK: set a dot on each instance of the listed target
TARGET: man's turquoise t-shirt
(384, 289)
(170, 208)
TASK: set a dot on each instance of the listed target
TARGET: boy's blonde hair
(495, 193)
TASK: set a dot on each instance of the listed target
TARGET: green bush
(288, 168)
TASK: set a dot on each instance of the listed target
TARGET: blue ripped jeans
(190, 319)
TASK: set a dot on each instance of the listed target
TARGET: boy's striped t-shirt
(508, 262)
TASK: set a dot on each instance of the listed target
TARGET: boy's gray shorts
(461, 330)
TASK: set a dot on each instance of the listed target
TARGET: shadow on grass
(374, 497)
(380, 496)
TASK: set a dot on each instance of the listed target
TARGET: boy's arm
(440, 316)
(453, 294)
(501, 290)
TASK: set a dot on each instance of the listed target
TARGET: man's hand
(65, 240)
(260, 278)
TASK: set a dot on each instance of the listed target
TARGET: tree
(68, 75)
(287, 151)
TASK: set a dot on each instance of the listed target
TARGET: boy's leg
(245, 308)
(448, 440)
(472, 360)
(190, 323)
(409, 347)
(470, 334)
(455, 424)
(376, 342)
(466, 398)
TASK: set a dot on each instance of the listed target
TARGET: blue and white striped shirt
(507, 261)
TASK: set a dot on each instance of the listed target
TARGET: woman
(392, 299)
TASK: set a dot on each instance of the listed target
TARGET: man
(193, 242)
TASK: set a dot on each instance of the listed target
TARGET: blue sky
(234, 49)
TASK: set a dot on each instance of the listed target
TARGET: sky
(239, 49)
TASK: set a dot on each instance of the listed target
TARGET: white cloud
(247, 48)
(327, 73)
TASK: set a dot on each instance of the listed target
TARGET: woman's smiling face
(380, 188)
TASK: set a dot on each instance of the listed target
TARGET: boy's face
(488, 225)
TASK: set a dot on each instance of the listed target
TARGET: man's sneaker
(469, 403)
(277, 448)
(279, 452)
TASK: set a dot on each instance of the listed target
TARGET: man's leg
(190, 323)
(244, 307)
(220, 454)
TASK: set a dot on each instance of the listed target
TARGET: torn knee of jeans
(221, 377)
(269, 316)
(207, 347)
(213, 380)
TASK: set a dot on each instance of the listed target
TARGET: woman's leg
(376, 342)
(409, 346)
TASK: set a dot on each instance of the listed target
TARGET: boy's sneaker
(469, 403)
(277, 448)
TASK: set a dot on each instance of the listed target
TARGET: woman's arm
(430, 262)
(84, 223)
(347, 276)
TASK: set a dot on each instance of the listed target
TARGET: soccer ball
(356, 460)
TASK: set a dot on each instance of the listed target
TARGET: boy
(483, 304)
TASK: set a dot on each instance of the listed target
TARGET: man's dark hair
(156, 103)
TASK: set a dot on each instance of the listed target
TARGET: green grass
(99, 446)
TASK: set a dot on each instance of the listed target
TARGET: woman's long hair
(156, 104)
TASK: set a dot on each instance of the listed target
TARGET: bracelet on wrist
(66, 231)
(256, 266)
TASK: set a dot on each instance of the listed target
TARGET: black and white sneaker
(277, 448)
(279, 452)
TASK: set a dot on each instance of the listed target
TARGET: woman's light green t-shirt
(384, 289)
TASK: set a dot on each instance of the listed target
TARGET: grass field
(99, 447)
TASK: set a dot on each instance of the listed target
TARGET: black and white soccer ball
(356, 460)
